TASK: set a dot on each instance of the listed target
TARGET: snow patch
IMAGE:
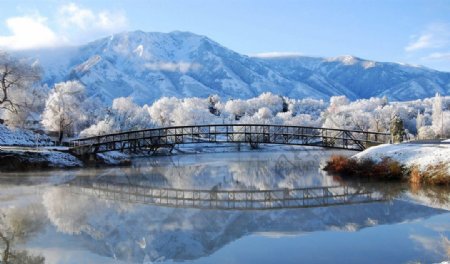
(421, 155)
(22, 137)
(91, 62)
(139, 50)
(114, 157)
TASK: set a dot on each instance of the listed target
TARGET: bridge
(224, 199)
(254, 134)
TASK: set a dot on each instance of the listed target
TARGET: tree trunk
(6, 252)
(60, 137)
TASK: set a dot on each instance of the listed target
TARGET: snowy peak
(147, 66)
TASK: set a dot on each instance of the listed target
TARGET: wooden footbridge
(168, 137)
(224, 199)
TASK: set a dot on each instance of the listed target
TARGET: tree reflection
(18, 225)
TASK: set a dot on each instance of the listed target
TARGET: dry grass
(388, 169)
(433, 174)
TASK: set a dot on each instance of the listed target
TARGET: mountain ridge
(149, 65)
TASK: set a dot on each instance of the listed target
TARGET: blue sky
(409, 31)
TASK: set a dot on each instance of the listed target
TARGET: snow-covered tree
(124, 115)
(193, 111)
(420, 121)
(236, 108)
(63, 109)
(161, 111)
(426, 132)
(437, 116)
(268, 100)
(31, 104)
(16, 80)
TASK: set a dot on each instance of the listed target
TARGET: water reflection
(62, 221)
(216, 198)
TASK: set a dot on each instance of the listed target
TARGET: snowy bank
(409, 154)
(29, 159)
(22, 137)
(113, 158)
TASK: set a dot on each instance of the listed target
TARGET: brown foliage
(387, 169)
(433, 174)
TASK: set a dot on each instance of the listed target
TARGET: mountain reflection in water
(61, 221)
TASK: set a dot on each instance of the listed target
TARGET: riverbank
(20, 158)
(414, 162)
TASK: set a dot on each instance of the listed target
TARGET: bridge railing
(249, 133)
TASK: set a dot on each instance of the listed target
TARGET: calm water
(113, 215)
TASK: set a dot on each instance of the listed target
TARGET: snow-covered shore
(410, 154)
(22, 137)
(29, 159)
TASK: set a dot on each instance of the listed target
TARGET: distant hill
(147, 66)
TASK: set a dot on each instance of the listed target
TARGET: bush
(433, 174)
(387, 169)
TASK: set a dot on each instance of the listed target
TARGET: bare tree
(16, 78)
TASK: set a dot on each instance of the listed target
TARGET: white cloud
(276, 54)
(182, 67)
(70, 25)
(71, 15)
(434, 36)
(437, 56)
(28, 32)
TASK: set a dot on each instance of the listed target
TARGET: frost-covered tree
(130, 116)
(31, 104)
(381, 118)
(426, 132)
(420, 121)
(437, 116)
(16, 80)
(268, 100)
(193, 111)
(124, 115)
(63, 109)
(161, 111)
(213, 101)
(236, 108)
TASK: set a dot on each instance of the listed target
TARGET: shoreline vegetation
(388, 169)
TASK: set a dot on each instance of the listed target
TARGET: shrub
(387, 169)
(433, 174)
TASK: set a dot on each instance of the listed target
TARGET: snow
(22, 137)
(410, 154)
(45, 156)
(113, 157)
(126, 61)
(62, 159)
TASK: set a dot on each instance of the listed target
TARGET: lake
(272, 205)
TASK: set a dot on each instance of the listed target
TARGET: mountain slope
(362, 78)
(147, 66)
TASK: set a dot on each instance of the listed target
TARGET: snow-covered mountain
(147, 66)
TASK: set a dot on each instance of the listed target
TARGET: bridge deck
(155, 138)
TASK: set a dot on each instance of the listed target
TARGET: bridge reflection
(224, 199)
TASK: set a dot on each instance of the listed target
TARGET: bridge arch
(253, 134)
